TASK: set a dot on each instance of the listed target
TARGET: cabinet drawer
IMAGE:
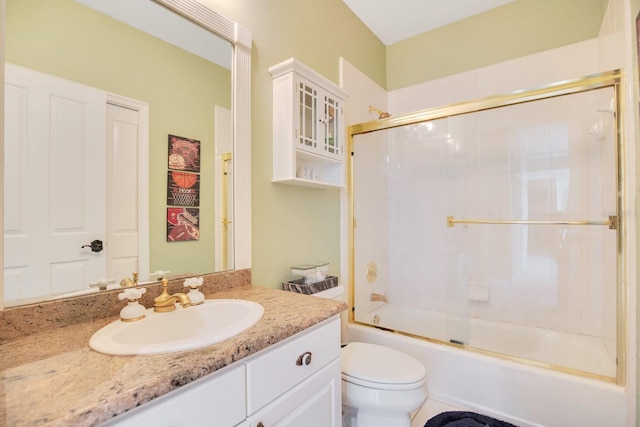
(291, 362)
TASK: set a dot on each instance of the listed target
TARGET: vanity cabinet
(308, 127)
(293, 383)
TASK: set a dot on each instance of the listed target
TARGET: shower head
(381, 114)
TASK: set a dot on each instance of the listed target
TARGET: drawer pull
(305, 358)
(260, 424)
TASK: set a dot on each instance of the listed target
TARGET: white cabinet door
(308, 108)
(332, 144)
(215, 401)
(316, 402)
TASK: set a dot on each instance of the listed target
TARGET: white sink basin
(188, 328)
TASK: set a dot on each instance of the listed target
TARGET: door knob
(96, 246)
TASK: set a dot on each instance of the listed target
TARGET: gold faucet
(129, 283)
(379, 297)
(165, 302)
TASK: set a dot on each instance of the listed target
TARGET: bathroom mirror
(163, 85)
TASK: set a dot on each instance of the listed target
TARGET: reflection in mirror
(74, 72)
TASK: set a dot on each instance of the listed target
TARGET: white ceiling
(396, 20)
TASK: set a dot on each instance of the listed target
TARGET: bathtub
(550, 347)
(519, 393)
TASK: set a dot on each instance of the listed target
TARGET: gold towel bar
(612, 222)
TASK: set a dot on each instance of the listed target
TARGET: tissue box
(311, 273)
(305, 272)
(299, 285)
(322, 268)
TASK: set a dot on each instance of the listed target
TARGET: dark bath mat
(465, 419)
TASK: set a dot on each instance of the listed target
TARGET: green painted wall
(71, 41)
(295, 225)
(516, 29)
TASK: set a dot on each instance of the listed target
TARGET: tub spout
(379, 297)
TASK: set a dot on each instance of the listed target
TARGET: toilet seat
(374, 366)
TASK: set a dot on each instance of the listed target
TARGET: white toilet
(380, 386)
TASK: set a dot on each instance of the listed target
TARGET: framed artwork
(184, 154)
(183, 188)
(183, 224)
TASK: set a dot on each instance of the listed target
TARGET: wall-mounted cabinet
(308, 127)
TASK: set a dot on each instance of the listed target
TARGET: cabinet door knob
(260, 424)
(304, 359)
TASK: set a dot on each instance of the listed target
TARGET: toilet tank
(335, 293)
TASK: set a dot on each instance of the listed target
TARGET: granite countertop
(53, 378)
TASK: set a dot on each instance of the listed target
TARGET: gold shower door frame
(612, 79)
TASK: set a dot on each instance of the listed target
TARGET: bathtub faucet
(379, 297)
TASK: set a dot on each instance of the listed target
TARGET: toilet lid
(364, 362)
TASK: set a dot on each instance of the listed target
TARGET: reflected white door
(122, 191)
(55, 150)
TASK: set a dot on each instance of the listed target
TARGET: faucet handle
(194, 294)
(193, 282)
(132, 294)
(159, 274)
(102, 284)
(133, 310)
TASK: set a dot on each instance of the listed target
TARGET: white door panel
(56, 204)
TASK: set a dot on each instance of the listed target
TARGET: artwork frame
(183, 188)
(183, 224)
(183, 154)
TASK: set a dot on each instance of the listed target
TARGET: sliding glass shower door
(495, 229)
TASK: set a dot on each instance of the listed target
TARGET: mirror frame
(240, 39)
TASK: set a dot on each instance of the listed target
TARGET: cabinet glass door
(307, 131)
(332, 145)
